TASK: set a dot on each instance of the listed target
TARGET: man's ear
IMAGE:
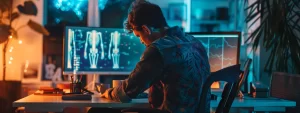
(146, 29)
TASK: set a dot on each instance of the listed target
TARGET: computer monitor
(89, 50)
(223, 49)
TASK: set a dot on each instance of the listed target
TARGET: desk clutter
(49, 91)
(77, 92)
(259, 90)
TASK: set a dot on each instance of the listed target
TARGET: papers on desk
(49, 91)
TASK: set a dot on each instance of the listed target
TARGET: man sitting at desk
(174, 65)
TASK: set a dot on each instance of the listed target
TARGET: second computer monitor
(223, 48)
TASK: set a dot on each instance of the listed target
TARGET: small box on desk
(49, 91)
(259, 90)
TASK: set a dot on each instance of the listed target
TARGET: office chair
(231, 75)
(245, 75)
(236, 86)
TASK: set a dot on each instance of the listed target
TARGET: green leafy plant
(279, 32)
(7, 31)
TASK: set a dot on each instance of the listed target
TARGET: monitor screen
(222, 48)
(89, 50)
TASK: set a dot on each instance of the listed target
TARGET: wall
(260, 57)
(164, 4)
(31, 48)
(209, 4)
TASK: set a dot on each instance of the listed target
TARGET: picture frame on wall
(177, 11)
(52, 68)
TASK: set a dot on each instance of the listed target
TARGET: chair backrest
(225, 94)
(230, 75)
(237, 86)
(244, 80)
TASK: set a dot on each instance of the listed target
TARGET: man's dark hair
(145, 13)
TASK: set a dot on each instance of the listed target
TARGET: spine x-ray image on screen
(115, 42)
(91, 51)
(72, 51)
(100, 50)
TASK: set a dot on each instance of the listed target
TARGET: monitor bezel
(86, 72)
(223, 33)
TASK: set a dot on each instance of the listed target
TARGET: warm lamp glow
(11, 58)
(9, 62)
(26, 64)
(20, 42)
(10, 36)
(215, 85)
(11, 48)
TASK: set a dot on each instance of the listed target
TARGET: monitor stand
(91, 80)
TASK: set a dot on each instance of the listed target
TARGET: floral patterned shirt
(174, 67)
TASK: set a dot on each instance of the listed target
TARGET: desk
(40, 103)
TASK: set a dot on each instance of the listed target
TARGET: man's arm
(148, 70)
(156, 95)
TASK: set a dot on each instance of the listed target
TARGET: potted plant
(278, 32)
(11, 90)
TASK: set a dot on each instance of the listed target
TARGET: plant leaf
(37, 27)
(29, 8)
(278, 32)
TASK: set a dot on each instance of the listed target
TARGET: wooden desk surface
(40, 101)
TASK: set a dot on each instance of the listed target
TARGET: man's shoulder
(164, 42)
(151, 51)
